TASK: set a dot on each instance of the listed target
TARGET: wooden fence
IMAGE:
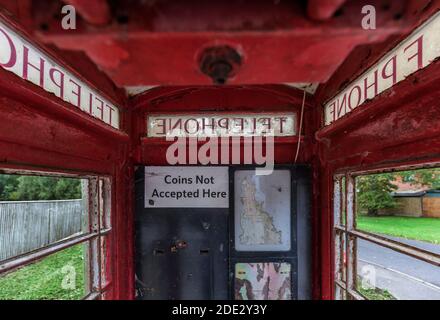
(30, 225)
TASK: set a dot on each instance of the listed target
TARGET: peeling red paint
(398, 127)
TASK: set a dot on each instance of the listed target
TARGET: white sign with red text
(222, 125)
(416, 52)
(30, 63)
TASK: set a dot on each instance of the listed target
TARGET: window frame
(99, 203)
(343, 290)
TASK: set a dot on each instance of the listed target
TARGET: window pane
(38, 211)
(60, 276)
(400, 205)
(262, 211)
(384, 274)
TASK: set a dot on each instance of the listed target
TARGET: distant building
(414, 200)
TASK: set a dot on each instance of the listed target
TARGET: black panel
(180, 253)
(300, 254)
(188, 253)
(304, 233)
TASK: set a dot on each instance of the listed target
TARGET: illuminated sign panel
(222, 125)
(30, 63)
(416, 52)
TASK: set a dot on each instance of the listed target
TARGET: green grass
(376, 294)
(43, 280)
(423, 229)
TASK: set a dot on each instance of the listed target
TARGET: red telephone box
(97, 103)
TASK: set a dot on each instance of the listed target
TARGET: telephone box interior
(154, 69)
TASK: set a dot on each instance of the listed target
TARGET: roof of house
(416, 193)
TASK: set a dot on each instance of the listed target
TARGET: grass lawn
(424, 229)
(43, 280)
(376, 294)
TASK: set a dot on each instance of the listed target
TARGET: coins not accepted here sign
(186, 187)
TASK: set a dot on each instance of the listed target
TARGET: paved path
(403, 276)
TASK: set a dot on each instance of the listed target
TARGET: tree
(36, 188)
(8, 187)
(68, 189)
(374, 192)
(14, 187)
(426, 177)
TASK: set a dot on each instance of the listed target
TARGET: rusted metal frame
(85, 187)
(408, 250)
(340, 231)
(420, 254)
(340, 284)
(340, 290)
(46, 251)
(94, 252)
(396, 168)
(100, 207)
(106, 211)
(7, 168)
(337, 205)
(92, 296)
(342, 224)
(104, 231)
(337, 234)
(100, 201)
(350, 241)
(338, 262)
(355, 295)
(348, 292)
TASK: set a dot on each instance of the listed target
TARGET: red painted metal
(244, 99)
(277, 40)
(34, 139)
(42, 133)
(399, 127)
(323, 9)
(95, 12)
(366, 55)
(75, 62)
(146, 59)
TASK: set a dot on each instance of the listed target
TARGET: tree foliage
(426, 177)
(374, 192)
(18, 188)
